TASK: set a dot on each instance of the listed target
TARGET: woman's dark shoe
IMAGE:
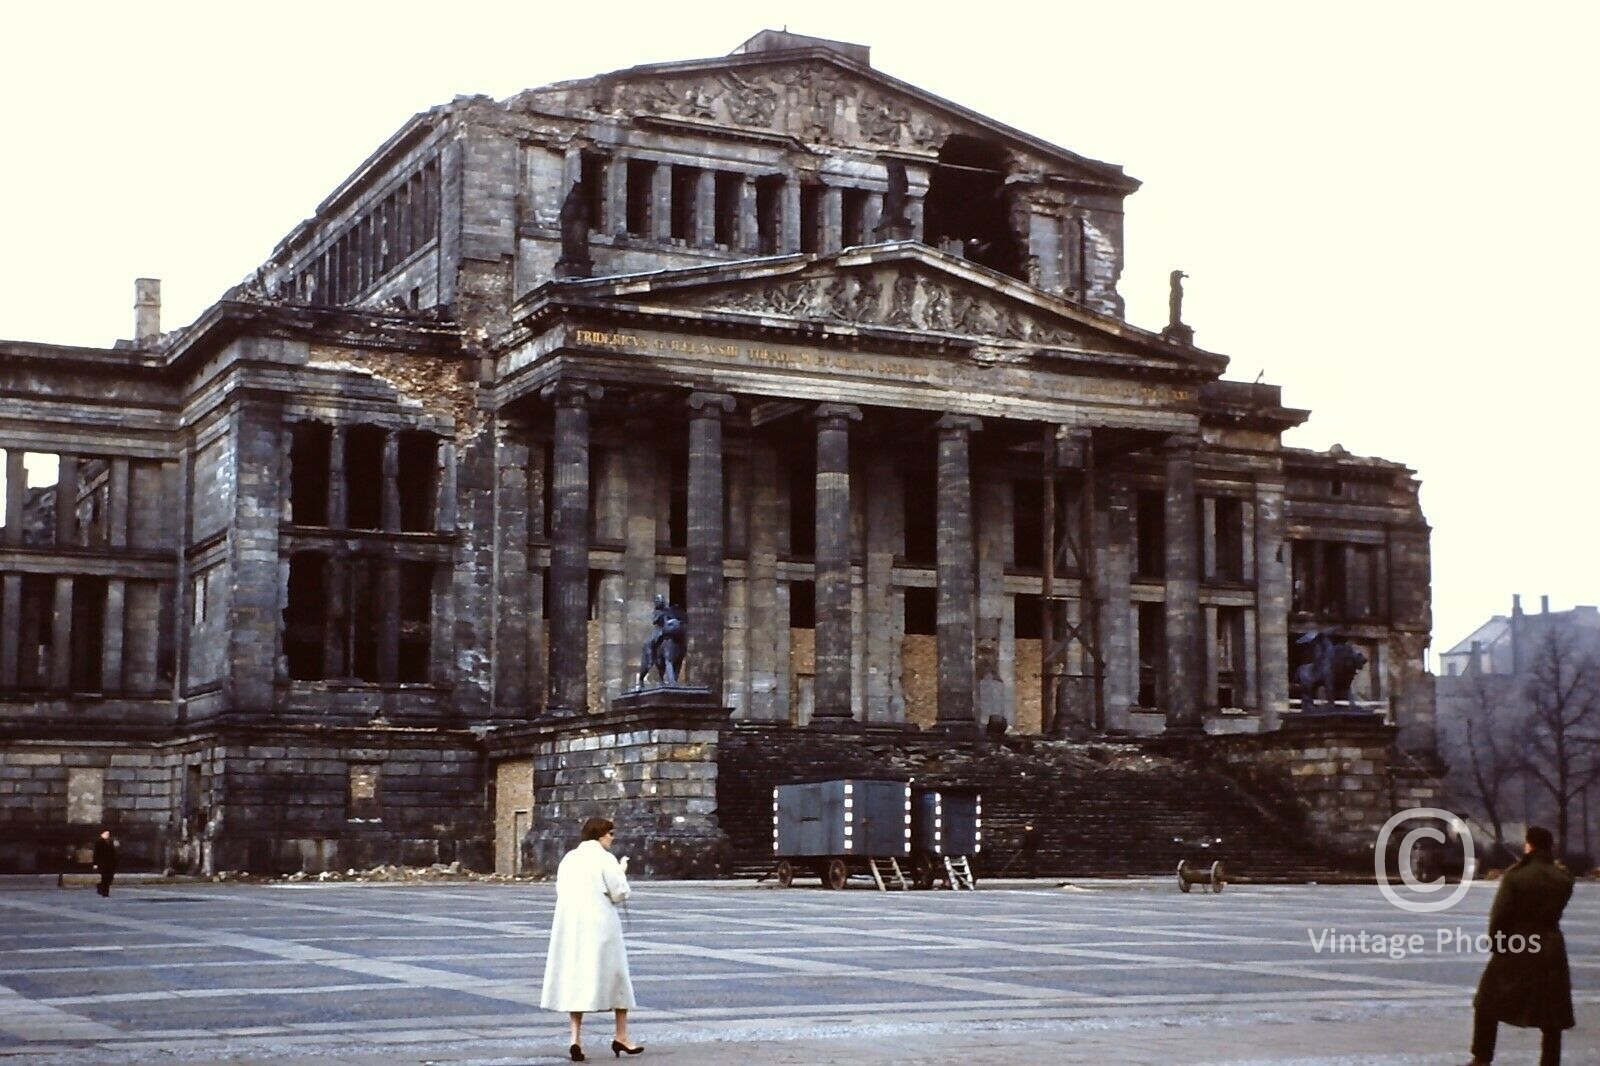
(576, 1051)
(618, 1047)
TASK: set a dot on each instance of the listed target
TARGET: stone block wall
(55, 798)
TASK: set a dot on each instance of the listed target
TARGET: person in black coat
(1526, 982)
(105, 860)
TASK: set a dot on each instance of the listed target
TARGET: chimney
(146, 310)
(1516, 604)
(1544, 604)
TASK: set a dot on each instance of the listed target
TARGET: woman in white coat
(587, 968)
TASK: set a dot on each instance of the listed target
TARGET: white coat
(587, 968)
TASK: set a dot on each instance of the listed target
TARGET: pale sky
(1390, 208)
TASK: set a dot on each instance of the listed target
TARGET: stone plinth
(649, 764)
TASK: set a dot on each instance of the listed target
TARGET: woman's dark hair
(595, 828)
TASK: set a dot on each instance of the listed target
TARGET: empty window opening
(685, 196)
(1230, 657)
(310, 452)
(1152, 653)
(88, 633)
(305, 617)
(769, 213)
(678, 500)
(363, 801)
(363, 473)
(1150, 535)
(36, 631)
(921, 515)
(678, 589)
(802, 506)
(968, 208)
(1230, 538)
(419, 468)
(855, 217)
(641, 197)
(593, 176)
(922, 611)
(416, 621)
(811, 218)
(1027, 523)
(41, 471)
(1028, 623)
(89, 524)
(802, 605)
(729, 189)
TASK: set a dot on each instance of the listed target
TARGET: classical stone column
(569, 549)
(67, 501)
(957, 572)
(391, 482)
(705, 539)
(61, 636)
(1272, 602)
(1184, 627)
(833, 561)
(16, 492)
(338, 513)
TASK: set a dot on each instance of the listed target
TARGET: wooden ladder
(959, 873)
(887, 873)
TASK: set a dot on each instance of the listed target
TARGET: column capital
(950, 424)
(710, 404)
(567, 393)
(837, 412)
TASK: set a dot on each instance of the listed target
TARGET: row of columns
(956, 562)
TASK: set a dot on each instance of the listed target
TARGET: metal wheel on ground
(785, 873)
(836, 874)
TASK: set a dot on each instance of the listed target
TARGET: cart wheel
(785, 873)
(836, 875)
(922, 871)
(1218, 877)
(1183, 882)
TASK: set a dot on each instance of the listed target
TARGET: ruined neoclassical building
(837, 364)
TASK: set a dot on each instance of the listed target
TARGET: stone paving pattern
(1019, 972)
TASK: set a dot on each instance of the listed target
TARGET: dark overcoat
(1529, 988)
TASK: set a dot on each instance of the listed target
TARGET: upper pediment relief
(812, 98)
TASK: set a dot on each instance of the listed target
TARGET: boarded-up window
(364, 802)
(86, 786)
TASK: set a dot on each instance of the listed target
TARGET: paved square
(1025, 972)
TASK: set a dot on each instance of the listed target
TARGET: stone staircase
(1101, 809)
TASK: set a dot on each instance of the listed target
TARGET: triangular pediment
(812, 96)
(905, 288)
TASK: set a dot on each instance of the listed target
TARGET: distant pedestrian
(1526, 982)
(587, 968)
(1030, 849)
(105, 861)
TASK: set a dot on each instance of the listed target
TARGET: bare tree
(1562, 747)
(1492, 720)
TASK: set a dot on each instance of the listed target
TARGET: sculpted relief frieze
(814, 102)
(903, 301)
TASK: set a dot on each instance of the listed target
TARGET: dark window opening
(591, 610)
(802, 605)
(1027, 523)
(363, 800)
(1336, 487)
(1152, 653)
(967, 210)
(1029, 620)
(88, 633)
(1230, 657)
(194, 802)
(1335, 584)
(1150, 535)
(310, 456)
(305, 617)
(37, 631)
(854, 220)
(922, 611)
(1230, 538)
(811, 218)
(419, 458)
(416, 621)
(641, 198)
(363, 477)
(769, 213)
(802, 507)
(364, 617)
(1303, 568)
(729, 190)
(678, 500)
(593, 176)
(921, 516)
(678, 589)
(685, 206)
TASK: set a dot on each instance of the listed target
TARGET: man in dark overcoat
(1527, 982)
(105, 861)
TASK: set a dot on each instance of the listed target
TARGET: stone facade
(848, 379)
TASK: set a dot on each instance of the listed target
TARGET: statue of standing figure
(668, 642)
(1175, 300)
(574, 220)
